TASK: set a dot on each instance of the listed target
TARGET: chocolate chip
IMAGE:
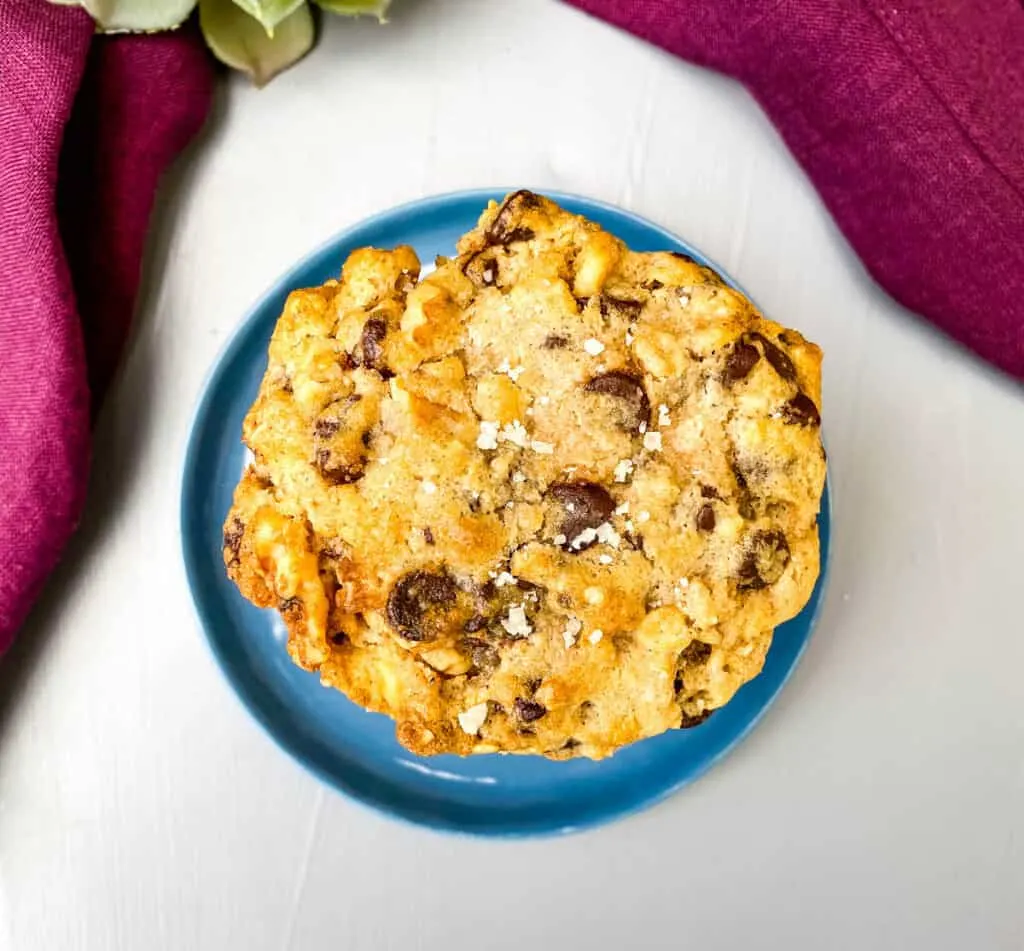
(706, 518)
(476, 623)
(338, 638)
(766, 559)
(339, 473)
(233, 537)
(528, 711)
(503, 229)
(584, 505)
(801, 411)
(369, 353)
(620, 307)
(688, 721)
(630, 390)
(428, 536)
(533, 684)
(413, 603)
(696, 652)
(778, 359)
(709, 492)
(555, 342)
(482, 269)
(677, 685)
(741, 360)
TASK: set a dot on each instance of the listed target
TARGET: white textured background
(881, 803)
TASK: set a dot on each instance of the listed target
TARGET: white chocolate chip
(488, 438)
(643, 515)
(586, 537)
(593, 346)
(573, 626)
(472, 719)
(663, 418)
(428, 487)
(623, 469)
(518, 477)
(503, 579)
(607, 535)
(515, 433)
(605, 559)
(559, 539)
(595, 635)
(652, 442)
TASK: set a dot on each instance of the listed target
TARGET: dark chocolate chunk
(555, 342)
(696, 652)
(369, 353)
(339, 473)
(584, 505)
(528, 711)
(706, 518)
(326, 426)
(476, 623)
(766, 559)
(741, 360)
(778, 359)
(338, 638)
(682, 257)
(688, 722)
(620, 306)
(428, 536)
(485, 656)
(504, 229)
(414, 601)
(630, 391)
(709, 492)
(801, 411)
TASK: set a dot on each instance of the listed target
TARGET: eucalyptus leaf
(354, 8)
(240, 42)
(138, 16)
(270, 12)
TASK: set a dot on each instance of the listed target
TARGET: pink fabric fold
(908, 117)
(86, 127)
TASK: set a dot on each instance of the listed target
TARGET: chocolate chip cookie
(552, 497)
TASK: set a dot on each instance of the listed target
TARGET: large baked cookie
(551, 498)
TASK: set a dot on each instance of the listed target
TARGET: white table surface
(881, 802)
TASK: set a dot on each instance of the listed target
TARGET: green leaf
(115, 16)
(270, 12)
(354, 8)
(242, 43)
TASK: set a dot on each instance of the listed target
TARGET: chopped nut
(472, 719)
(516, 624)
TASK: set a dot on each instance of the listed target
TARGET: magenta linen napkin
(908, 116)
(87, 125)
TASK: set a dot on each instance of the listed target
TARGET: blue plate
(355, 751)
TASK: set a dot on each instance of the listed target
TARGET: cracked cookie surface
(552, 497)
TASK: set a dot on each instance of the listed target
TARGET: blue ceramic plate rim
(689, 770)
